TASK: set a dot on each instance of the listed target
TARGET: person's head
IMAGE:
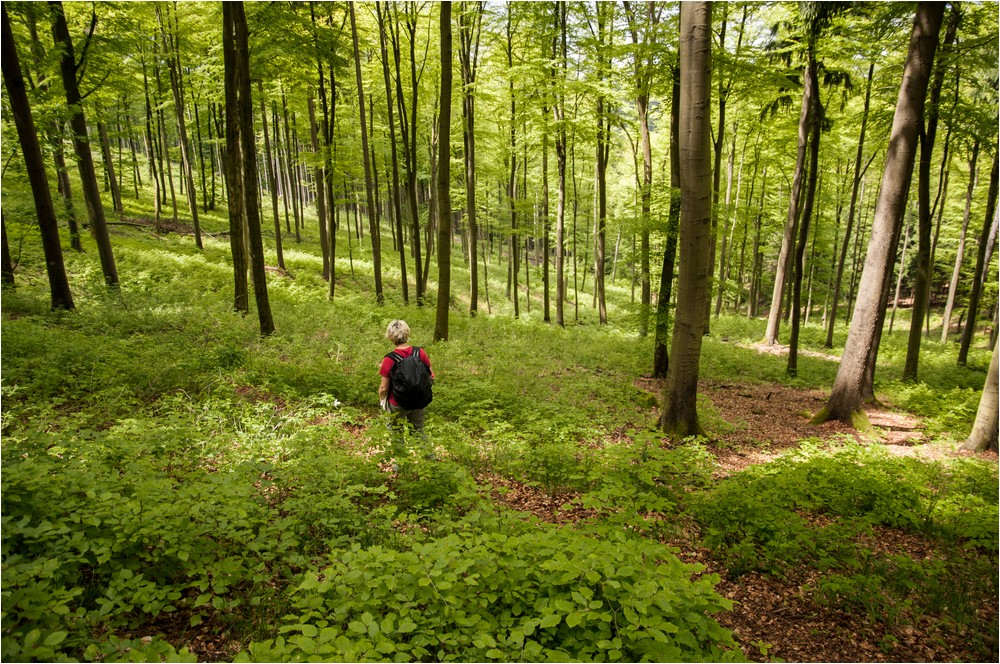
(398, 332)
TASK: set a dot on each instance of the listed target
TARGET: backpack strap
(396, 357)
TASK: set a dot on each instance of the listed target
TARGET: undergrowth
(167, 474)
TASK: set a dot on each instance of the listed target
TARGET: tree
(642, 64)
(987, 242)
(922, 272)
(469, 23)
(815, 17)
(69, 67)
(20, 107)
(172, 52)
(559, 64)
(444, 180)
(984, 432)
(862, 341)
(241, 148)
(397, 208)
(605, 32)
(660, 358)
(680, 412)
(372, 225)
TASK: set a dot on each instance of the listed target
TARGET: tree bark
(812, 82)
(848, 388)
(238, 76)
(680, 413)
(470, 21)
(984, 432)
(20, 108)
(791, 221)
(373, 228)
(81, 144)
(272, 182)
(444, 179)
(661, 362)
(960, 253)
(559, 54)
(987, 242)
(396, 206)
(922, 264)
(234, 161)
(172, 52)
(109, 166)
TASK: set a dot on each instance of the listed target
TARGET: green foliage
(503, 592)
(756, 519)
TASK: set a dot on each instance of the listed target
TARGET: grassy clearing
(175, 486)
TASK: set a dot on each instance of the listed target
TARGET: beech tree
(444, 179)
(985, 430)
(20, 107)
(862, 341)
(68, 67)
(680, 404)
(242, 161)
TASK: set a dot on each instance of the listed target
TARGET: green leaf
(551, 620)
(55, 638)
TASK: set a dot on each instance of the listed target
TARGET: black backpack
(410, 380)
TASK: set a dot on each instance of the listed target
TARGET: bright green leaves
(509, 591)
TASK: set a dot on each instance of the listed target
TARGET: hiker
(405, 390)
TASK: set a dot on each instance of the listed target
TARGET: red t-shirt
(387, 363)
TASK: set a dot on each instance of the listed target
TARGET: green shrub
(531, 595)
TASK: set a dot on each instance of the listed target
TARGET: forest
(709, 289)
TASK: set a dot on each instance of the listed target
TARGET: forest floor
(779, 617)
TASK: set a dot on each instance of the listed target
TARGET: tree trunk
(791, 221)
(512, 181)
(856, 182)
(680, 413)
(559, 53)
(321, 207)
(271, 179)
(848, 389)
(396, 206)
(812, 82)
(242, 142)
(234, 161)
(289, 190)
(899, 277)
(444, 180)
(81, 144)
(984, 255)
(661, 363)
(470, 21)
(6, 265)
(373, 229)
(984, 432)
(922, 265)
(172, 52)
(605, 18)
(109, 166)
(20, 109)
(960, 254)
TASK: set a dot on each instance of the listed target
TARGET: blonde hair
(398, 332)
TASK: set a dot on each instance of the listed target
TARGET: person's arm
(383, 389)
(427, 361)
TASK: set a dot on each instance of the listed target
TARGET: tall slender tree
(242, 159)
(69, 69)
(470, 21)
(680, 408)
(849, 386)
(20, 107)
(984, 254)
(444, 179)
(375, 236)
(922, 265)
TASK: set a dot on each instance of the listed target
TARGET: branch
(94, 89)
(82, 63)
